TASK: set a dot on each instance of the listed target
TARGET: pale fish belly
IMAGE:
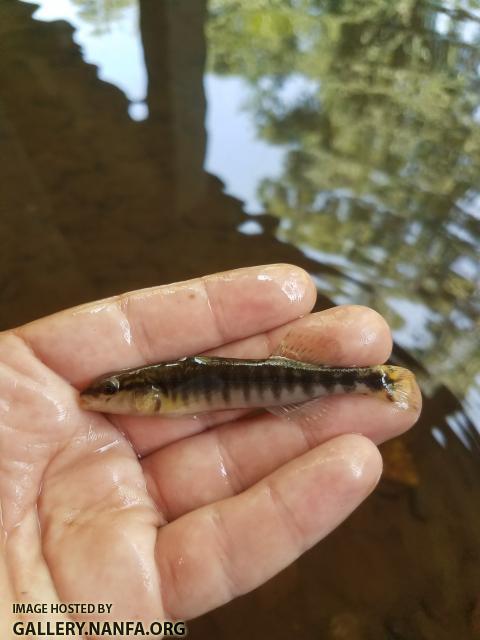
(242, 397)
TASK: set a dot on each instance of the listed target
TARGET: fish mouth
(94, 401)
(85, 402)
(90, 401)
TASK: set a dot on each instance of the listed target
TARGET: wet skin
(169, 518)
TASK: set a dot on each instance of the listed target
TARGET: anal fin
(308, 413)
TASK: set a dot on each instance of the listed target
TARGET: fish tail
(401, 387)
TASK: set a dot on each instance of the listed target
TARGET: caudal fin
(402, 387)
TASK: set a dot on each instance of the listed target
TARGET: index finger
(166, 322)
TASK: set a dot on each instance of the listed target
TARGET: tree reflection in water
(383, 169)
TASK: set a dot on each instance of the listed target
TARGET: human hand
(169, 518)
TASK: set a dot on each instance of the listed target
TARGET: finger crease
(288, 517)
(226, 554)
(215, 314)
(167, 576)
(141, 337)
(309, 435)
(230, 469)
(31, 349)
(158, 497)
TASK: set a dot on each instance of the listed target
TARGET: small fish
(200, 384)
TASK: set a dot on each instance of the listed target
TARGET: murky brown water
(342, 136)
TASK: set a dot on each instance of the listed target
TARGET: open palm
(169, 518)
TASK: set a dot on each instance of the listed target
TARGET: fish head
(115, 393)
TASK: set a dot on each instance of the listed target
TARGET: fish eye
(109, 387)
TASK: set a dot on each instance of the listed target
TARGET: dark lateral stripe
(289, 378)
(143, 385)
(326, 377)
(246, 383)
(226, 386)
(347, 379)
(259, 380)
(173, 384)
(184, 390)
(244, 380)
(307, 381)
(373, 380)
(207, 386)
(138, 381)
(276, 381)
(256, 381)
(237, 379)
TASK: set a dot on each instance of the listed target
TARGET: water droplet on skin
(295, 286)
(367, 336)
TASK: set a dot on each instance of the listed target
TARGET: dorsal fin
(305, 344)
